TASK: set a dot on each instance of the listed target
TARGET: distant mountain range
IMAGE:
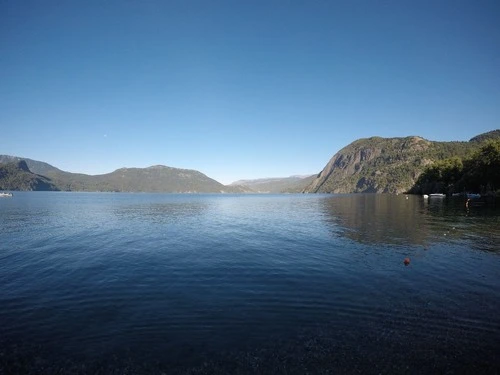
(292, 184)
(28, 174)
(388, 165)
(370, 165)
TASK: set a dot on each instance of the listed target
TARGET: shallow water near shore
(151, 283)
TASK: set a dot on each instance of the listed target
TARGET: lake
(114, 283)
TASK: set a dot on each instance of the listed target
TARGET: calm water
(152, 283)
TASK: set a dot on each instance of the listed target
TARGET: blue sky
(240, 89)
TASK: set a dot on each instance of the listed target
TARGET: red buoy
(406, 261)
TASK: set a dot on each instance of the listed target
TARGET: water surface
(103, 282)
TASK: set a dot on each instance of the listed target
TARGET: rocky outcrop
(374, 165)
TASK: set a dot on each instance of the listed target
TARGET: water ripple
(174, 276)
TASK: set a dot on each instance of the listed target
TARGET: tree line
(478, 173)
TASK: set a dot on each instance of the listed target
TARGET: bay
(152, 283)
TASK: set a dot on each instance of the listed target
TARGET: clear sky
(241, 88)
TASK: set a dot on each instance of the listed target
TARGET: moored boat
(437, 195)
(5, 195)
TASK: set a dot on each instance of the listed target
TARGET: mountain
(292, 184)
(376, 165)
(17, 176)
(37, 167)
(157, 178)
(494, 134)
(151, 179)
(387, 165)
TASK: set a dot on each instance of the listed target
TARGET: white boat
(5, 195)
(437, 195)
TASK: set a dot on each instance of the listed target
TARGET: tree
(482, 170)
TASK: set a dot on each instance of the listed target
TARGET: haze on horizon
(240, 90)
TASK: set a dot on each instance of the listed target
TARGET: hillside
(387, 165)
(292, 184)
(478, 172)
(152, 179)
(370, 165)
(494, 134)
(157, 179)
(37, 167)
(17, 176)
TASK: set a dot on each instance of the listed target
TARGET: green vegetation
(494, 134)
(395, 165)
(153, 179)
(479, 172)
(37, 167)
(17, 176)
(372, 165)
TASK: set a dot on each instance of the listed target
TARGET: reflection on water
(412, 220)
(103, 283)
(377, 218)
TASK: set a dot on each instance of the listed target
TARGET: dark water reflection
(377, 218)
(152, 283)
(413, 220)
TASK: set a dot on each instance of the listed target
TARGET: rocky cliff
(386, 165)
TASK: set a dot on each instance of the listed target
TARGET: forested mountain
(492, 135)
(377, 165)
(388, 165)
(152, 179)
(37, 167)
(17, 176)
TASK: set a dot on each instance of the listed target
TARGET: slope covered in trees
(479, 172)
(157, 178)
(394, 165)
(17, 176)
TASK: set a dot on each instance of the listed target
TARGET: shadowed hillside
(17, 176)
